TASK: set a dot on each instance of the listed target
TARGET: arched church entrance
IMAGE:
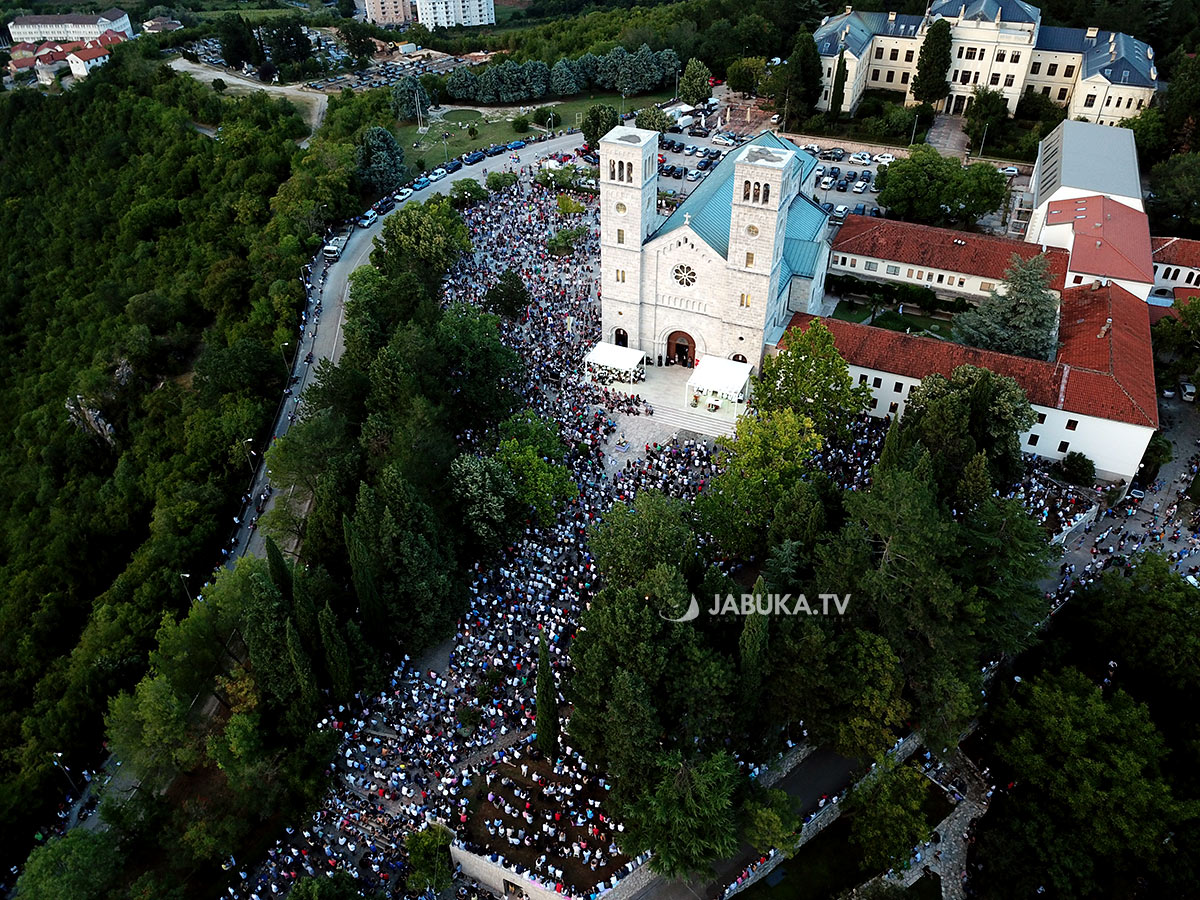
(737, 357)
(681, 348)
(621, 338)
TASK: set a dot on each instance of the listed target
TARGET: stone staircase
(688, 421)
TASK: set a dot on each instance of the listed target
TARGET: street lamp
(286, 369)
(183, 577)
(57, 756)
(249, 453)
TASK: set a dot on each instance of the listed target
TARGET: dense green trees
(654, 119)
(598, 120)
(693, 84)
(934, 189)
(149, 302)
(380, 160)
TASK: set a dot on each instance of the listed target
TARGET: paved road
(328, 342)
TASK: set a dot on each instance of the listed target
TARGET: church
(723, 274)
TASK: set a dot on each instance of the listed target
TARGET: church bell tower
(628, 196)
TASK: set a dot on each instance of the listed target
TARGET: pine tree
(1023, 320)
(930, 84)
(803, 80)
(752, 653)
(547, 702)
(364, 572)
(563, 80)
(305, 614)
(337, 656)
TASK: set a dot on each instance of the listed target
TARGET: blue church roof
(805, 237)
(709, 208)
(1116, 57)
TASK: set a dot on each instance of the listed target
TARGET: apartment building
(448, 13)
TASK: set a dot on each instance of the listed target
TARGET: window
(1008, 80)
(749, 260)
(899, 387)
(879, 53)
(746, 190)
(871, 266)
(1089, 101)
(766, 193)
(874, 74)
(910, 273)
(893, 270)
(744, 302)
(891, 76)
(874, 404)
(908, 56)
(1051, 70)
(684, 274)
(895, 54)
(893, 408)
(904, 80)
(1062, 446)
(941, 278)
(757, 192)
(986, 285)
(1033, 439)
(1035, 68)
(1139, 104)
(920, 274)
(960, 52)
(962, 282)
(1062, 94)
(854, 262)
(621, 275)
(1069, 72)
(1129, 102)
(620, 235)
(612, 171)
(929, 277)
(1016, 57)
(878, 382)
(974, 80)
(1046, 91)
(995, 79)
(970, 53)
(1072, 424)
(862, 379)
(1108, 101)
(999, 56)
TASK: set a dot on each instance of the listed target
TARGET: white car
(437, 174)
(367, 219)
(819, 172)
(1010, 171)
(826, 182)
(695, 175)
(860, 187)
(883, 159)
(840, 212)
(724, 141)
(860, 157)
(690, 150)
(403, 194)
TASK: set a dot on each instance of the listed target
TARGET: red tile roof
(1103, 372)
(1174, 251)
(984, 255)
(89, 53)
(1111, 239)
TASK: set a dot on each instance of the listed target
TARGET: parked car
(840, 212)
(1010, 171)
(403, 194)
(680, 171)
(835, 172)
(1187, 392)
(883, 159)
(695, 175)
(591, 159)
(437, 174)
(367, 219)
(384, 205)
(860, 157)
(453, 166)
(866, 175)
(826, 182)
(516, 145)
(819, 171)
(828, 207)
(852, 175)
(837, 154)
(420, 184)
(843, 186)
(698, 132)
(690, 150)
(860, 209)
(724, 141)
(875, 212)
(472, 158)
(704, 164)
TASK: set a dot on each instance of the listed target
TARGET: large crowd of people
(450, 739)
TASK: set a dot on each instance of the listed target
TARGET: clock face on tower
(752, 230)
(620, 209)
(685, 275)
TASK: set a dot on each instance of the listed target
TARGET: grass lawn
(252, 15)
(848, 312)
(891, 320)
(494, 128)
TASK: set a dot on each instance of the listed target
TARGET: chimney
(849, 9)
(1092, 32)
(1105, 330)
(1096, 284)
(892, 16)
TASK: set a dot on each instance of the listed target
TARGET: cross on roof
(687, 217)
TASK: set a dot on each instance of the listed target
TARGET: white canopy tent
(723, 378)
(619, 359)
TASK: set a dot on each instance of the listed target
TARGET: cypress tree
(547, 702)
(306, 684)
(930, 84)
(337, 656)
(281, 572)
